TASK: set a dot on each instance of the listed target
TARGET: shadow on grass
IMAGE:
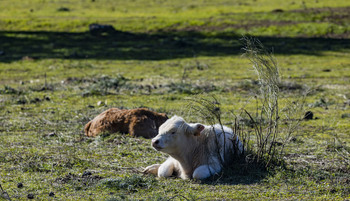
(239, 173)
(141, 46)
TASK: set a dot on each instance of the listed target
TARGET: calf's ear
(199, 128)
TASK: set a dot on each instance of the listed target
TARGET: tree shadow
(14, 45)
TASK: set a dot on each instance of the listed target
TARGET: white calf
(196, 151)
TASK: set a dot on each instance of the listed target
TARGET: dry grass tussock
(261, 132)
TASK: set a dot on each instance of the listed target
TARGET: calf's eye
(173, 132)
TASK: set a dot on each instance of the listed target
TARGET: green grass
(53, 72)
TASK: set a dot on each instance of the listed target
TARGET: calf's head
(175, 135)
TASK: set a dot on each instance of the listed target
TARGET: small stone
(308, 115)
(51, 134)
(30, 196)
(20, 185)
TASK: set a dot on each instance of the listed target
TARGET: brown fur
(136, 122)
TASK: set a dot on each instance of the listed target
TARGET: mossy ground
(54, 72)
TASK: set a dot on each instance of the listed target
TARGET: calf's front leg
(152, 169)
(167, 168)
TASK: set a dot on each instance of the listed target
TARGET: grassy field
(54, 72)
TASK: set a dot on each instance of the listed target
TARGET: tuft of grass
(104, 84)
(10, 90)
(267, 71)
(130, 183)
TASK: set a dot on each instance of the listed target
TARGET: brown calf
(136, 122)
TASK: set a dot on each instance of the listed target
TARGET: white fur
(196, 151)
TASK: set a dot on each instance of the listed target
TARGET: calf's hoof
(152, 169)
